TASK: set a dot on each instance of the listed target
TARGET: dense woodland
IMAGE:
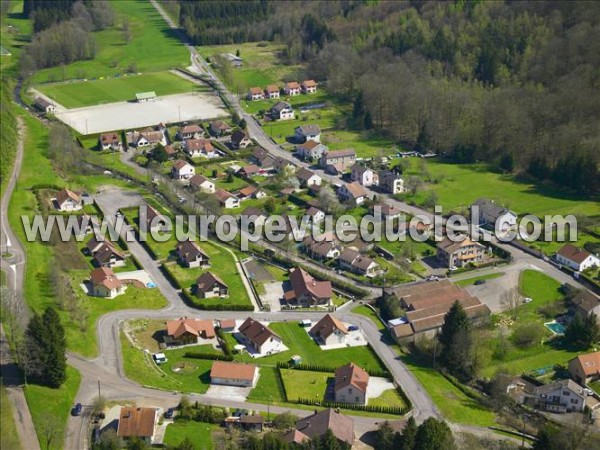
(513, 83)
(63, 31)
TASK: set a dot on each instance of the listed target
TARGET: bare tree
(510, 300)
(329, 201)
(414, 184)
(50, 429)
(98, 405)
(12, 316)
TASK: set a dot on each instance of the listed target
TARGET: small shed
(145, 96)
(296, 360)
(159, 358)
(305, 323)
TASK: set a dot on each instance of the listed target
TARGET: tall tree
(434, 434)
(55, 345)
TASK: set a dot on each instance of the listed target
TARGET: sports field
(111, 90)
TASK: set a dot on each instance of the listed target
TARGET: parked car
(479, 282)
(76, 411)
(352, 328)
(169, 413)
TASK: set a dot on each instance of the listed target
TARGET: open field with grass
(269, 387)
(305, 384)
(199, 433)
(14, 35)
(51, 407)
(451, 401)
(262, 65)
(9, 438)
(460, 184)
(110, 90)
(152, 47)
(365, 144)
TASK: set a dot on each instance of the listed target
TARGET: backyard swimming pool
(555, 327)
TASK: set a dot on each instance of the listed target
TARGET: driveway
(273, 295)
(238, 394)
(378, 386)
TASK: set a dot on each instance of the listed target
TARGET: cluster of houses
(290, 89)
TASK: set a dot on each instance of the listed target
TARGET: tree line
(63, 32)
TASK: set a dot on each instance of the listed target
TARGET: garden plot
(195, 106)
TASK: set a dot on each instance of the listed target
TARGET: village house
(208, 285)
(186, 331)
(249, 171)
(461, 253)
(105, 283)
(44, 105)
(306, 291)
(136, 422)
(200, 147)
(338, 161)
(190, 255)
(585, 369)
(351, 382)
(315, 214)
(315, 426)
(140, 139)
(283, 165)
(387, 211)
(219, 128)
(311, 150)
(227, 200)
(577, 258)
(586, 303)
(560, 397)
(292, 88)
(155, 221)
(110, 141)
(255, 93)
(272, 91)
(329, 331)
(67, 200)
(391, 182)
(93, 245)
(308, 178)
(354, 262)
(182, 170)
(493, 215)
(83, 225)
(170, 151)
(227, 325)
(363, 175)
(233, 374)
(249, 192)
(201, 183)
(309, 86)
(427, 304)
(282, 111)
(192, 131)
(107, 255)
(305, 133)
(253, 215)
(352, 193)
(240, 139)
(260, 338)
(321, 249)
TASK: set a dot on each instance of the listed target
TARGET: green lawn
(94, 92)
(451, 401)
(305, 384)
(8, 437)
(269, 387)
(152, 47)
(50, 408)
(200, 434)
(460, 184)
(541, 288)
(299, 343)
(366, 144)
(368, 312)
(471, 281)
(83, 340)
(391, 397)
(595, 386)
(280, 130)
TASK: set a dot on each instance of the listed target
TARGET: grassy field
(305, 384)
(365, 144)
(451, 401)
(460, 184)
(541, 288)
(50, 408)
(199, 432)
(368, 312)
(391, 397)
(152, 47)
(268, 388)
(8, 437)
(94, 92)
(262, 65)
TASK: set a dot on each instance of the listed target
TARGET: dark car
(76, 411)
(352, 328)
(479, 282)
(169, 413)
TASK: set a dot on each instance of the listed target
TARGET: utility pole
(99, 396)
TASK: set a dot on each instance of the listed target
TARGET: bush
(329, 369)
(528, 334)
(396, 410)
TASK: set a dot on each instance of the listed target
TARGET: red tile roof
(231, 370)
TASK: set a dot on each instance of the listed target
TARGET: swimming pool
(555, 327)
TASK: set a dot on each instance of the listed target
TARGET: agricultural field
(116, 54)
(121, 89)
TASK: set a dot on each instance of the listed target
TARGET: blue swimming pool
(555, 327)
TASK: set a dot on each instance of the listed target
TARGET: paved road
(15, 268)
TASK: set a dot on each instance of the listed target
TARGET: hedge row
(396, 410)
(328, 369)
(169, 276)
(223, 342)
(211, 356)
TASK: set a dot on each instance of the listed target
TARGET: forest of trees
(515, 84)
(63, 32)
